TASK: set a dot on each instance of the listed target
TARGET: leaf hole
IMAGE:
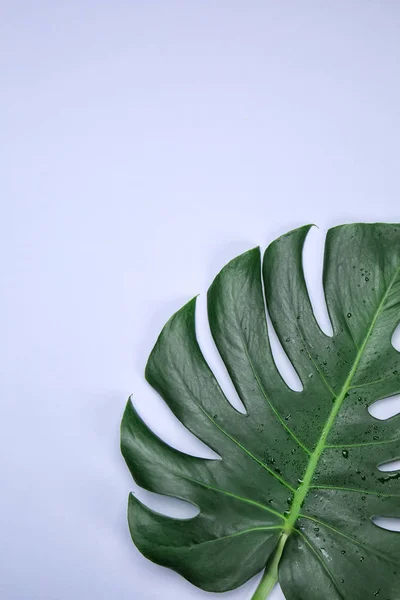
(386, 408)
(390, 467)
(388, 523)
(169, 428)
(167, 505)
(313, 260)
(282, 362)
(396, 338)
(212, 356)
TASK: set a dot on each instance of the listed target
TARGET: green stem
(270, 576)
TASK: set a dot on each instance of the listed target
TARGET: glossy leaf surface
(298, 483)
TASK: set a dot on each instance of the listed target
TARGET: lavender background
(143, 145)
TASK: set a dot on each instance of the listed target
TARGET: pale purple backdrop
(143, 145)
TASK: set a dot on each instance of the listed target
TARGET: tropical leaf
(298, 484)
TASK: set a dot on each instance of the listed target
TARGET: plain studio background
(144, 144)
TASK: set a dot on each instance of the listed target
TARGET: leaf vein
(320, 373)
(274, 410)
(323, 563)
(352, 539)
(241, 498)
(360, 445)
(356, 490)
(235, 441)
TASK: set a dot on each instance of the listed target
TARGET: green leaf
(297, 485)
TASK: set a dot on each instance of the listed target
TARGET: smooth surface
(145, 144)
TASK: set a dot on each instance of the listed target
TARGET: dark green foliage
(298, 481)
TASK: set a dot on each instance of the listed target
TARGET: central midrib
(304, 487)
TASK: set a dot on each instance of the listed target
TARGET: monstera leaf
(297, 485)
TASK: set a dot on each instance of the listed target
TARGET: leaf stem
(270, 576)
